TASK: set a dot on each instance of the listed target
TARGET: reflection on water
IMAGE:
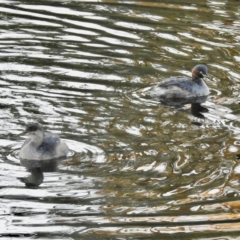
(36, 169)
(34, 179)
(137, 169)
(197, 110)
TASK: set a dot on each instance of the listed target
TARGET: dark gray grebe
(42, 145)
(183, 87)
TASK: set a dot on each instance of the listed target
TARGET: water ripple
(136, 168)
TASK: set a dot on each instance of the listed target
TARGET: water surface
(136, 169)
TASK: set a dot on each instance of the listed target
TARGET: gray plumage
(183, 87)
(42, 145)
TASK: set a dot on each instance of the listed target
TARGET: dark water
(137, 169)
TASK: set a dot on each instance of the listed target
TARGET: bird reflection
(196, 108)
(36, 169)
(34, 179)
(180, 102)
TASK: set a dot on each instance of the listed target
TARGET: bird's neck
(37, 139)
(197, 80)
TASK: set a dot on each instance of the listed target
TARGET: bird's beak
(23, 133)
(205, 75)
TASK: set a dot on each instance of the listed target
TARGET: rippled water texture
(136, 169)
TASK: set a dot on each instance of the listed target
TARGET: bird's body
(42, 145)
(182, 86)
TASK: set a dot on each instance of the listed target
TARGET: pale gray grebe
(183, 87)
(42, 145)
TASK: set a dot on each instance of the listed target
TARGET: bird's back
(180, 87)
(52, 147)
(49, 143)
(180, 81)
